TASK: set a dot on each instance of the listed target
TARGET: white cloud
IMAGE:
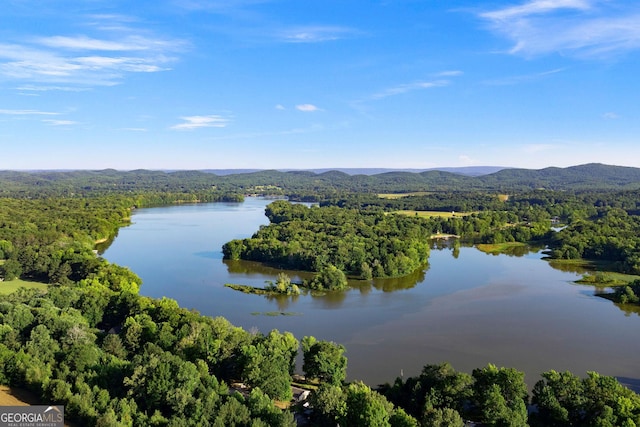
(103, 59)
(522, 78)
(84, 43)
(450, 73)
(280, 107)
(583, 28)
(410, 87)
(536, 7)
(313, 34)
(60, 122)
(610, 115)
(307, 108)
(34, 88)
(196, 122)
(28, 113)
(217, 6)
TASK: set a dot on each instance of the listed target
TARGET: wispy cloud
(27, 113)
(409, 87)
(84, 60)
(583, 28)
(610, 115)
(217, 6)
(450, 73)
(307, 108)
(313, 34)
(536, 7)
(197, 122)
(60, 122)
(512, 80)
(34, 88)
(88, 43)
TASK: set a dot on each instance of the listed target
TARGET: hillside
(583, 177)
(593, 175)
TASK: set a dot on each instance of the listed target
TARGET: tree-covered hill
(589, 176)
(82, 182)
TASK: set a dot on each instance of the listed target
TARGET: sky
(303, 84)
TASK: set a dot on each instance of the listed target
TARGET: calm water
(469, 310)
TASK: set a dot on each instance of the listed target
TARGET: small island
(328, 279)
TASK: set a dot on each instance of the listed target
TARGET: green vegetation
(613, 235)
(324, 361)
(328, 279)
(7, 287)
(251, 289)
(88, 340)
(283, 286)
(192, 186)
(607, 278)
(627, 294)
(498, 397)
(401, 195)
(429, 214)
(334, 241)
(501, 248)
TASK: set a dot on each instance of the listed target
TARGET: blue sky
(206, 84)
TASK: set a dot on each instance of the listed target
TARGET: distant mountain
(223, 172)
(467, 170)
(584, 177)
(472, 170)
(592, 176)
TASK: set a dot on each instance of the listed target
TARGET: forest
(361, 236)
(116, 358)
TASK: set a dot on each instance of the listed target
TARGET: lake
(468, 308)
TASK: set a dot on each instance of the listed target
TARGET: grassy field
(607, 278)
(429, 214)
(499, 248)
(18, 397)
(596, 273)
(14, 397)
(401, 195)
(13, 285)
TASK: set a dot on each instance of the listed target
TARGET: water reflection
(563, 265)
(103, 246)
(391, 284)
(283, 302)
(466, 307)
(250, 269)
(629, 309)
(240, 268)
(330, 300)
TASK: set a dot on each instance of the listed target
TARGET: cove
(469, 309)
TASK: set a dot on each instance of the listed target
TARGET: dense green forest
(359, 243)
(306, 184)
(360, 235)
(115, 358)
